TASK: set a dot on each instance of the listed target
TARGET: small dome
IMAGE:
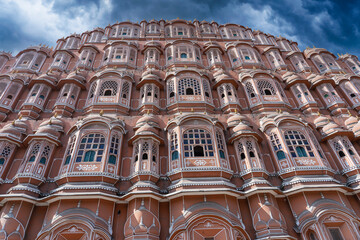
(14, 129)
(146, 129)
(234, 120)
(52, 126)
(142, 222)
(351, 122)
(330, 127)
(148, 119)
(242, 127)
(356, 129)
(321, 121)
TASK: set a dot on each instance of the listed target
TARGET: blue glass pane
(280, 155)
(90, 140)
(32, 159)
(43, 160)
(175, 155)
(78, 159)
(2, 160)
(95, 146)
(101, 146)
(112, 159)
(211, 154)
(67, 161)
(98, 159)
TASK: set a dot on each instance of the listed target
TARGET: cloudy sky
(333, 25)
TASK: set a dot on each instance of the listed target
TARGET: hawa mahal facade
(179, 130)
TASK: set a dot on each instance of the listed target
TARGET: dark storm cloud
(329, 24)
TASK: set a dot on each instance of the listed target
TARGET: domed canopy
(234, 120)
(147, 119)
(356, 129)
(50, 129)
(243, 130)
(332, 129)
(321, 121)
(146, 127)
(351, 122)
(14, 131)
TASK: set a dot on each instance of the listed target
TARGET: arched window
(70, 150)
(174, 146)
(197, 142)
(335, 233)
(189, 86)
(280, 155)
(34, 151)
(183, 55)
(312, 236)
(220, 145)
(250, 90)
(297, 144)
(114, 148)
(5, 153)
(108, 88)
(199, 151)
(92, 90)
(266, 88)
(171, 88)
(45, 154)
(175, 155)
(189, 91)
(206, 88)
(275, 142)
(91, 148)
(125, 90)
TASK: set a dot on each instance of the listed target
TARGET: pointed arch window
(277, 146)
(174, 146)
(220, 145)
(91, 148)
(70, 150)
(6, 152)
(34, 151)
(114, 148)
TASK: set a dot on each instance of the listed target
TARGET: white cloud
(36, 19)
(262, 18)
